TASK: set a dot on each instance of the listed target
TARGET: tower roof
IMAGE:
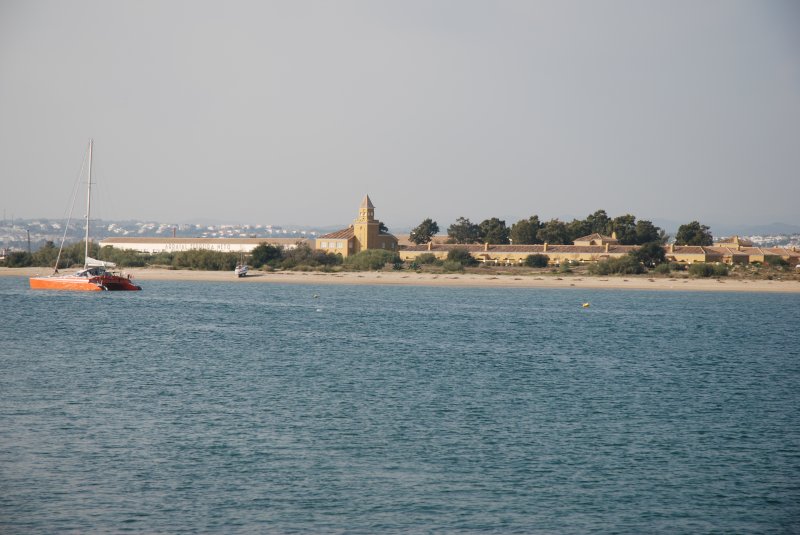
(366, 203)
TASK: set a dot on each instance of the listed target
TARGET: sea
(200, 407)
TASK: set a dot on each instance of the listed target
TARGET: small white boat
(241, 270)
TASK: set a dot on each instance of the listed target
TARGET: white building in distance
(175, 245)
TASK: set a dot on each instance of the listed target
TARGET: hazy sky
(289, 112)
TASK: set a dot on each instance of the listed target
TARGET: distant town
(20, 234)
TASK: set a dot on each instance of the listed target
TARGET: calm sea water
(240, 408)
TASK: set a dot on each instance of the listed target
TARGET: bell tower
(366, 226)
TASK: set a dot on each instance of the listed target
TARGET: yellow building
(516, 254)
(604, 247)
(363, 234)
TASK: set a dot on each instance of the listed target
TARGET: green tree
(646, 232)
(493, 231)
(46, 255)
(577, 228)
(650, 254)
(599, 222)
(424, 232)
(694, 234)
(463, 231)
(625, 228)
(524, 231)
(265, 253)
(554, 232)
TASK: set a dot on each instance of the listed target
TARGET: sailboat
(96, 275)
(241, 267)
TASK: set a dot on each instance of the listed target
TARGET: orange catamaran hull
(83, 284)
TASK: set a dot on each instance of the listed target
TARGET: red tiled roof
(688, 249)
(530, 249)
(725, 250)
(782, 251)
(597, 236)
(344, 234)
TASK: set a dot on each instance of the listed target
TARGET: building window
(339, 245)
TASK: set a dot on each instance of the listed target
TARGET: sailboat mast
(88, 208)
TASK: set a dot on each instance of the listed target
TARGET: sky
(289, 112)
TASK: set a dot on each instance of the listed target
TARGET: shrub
(162, 259)
(305, 256)
(627, 265)
(776, 261)
(205, 260)
(537, 260)
(122, 257)
(372, 259)
(451, 266)
(46, 255)
(662, 269)
(426, 258)
(265, 253)
(19, 259)
(461, 256)
(708, 270)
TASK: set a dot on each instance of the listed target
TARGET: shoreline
(459, 280)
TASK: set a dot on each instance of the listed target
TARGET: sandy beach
(478, 280)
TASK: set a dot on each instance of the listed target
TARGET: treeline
(72, 257)
(650, 257)
(46, 256)
(628, 229)
(302, 258)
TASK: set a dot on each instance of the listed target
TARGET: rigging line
(71, 209)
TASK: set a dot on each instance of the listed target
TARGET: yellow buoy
(585, 305)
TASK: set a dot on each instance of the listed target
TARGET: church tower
(366, 227)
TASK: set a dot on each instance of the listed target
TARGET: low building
(365, 233)
(516, 254)
(596, 239)
(174, 245)
(594, 248)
